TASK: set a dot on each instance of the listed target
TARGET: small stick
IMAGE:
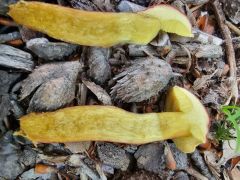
(233, 27)
(196, 7)
(229, 49)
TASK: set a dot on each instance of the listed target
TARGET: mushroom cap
(181, 100)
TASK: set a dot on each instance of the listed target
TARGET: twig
(233, 27)
(205, 38)
(229, 49)
(191, 17)
(196, 7)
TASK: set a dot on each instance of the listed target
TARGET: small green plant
(224, 129)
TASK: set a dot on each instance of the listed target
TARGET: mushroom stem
(103, 123)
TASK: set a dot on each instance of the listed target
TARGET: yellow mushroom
(186, 122)
(99, 28)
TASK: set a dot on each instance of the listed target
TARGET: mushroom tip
(181, 100)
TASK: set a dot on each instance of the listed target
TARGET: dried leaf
(44, 169)
(211, 159)
(235, 173)
(229, 151)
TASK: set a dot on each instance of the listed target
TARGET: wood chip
(78, 147)
(9, 37)
(15, 58)
(99, 68)
(101, 94)
(50, 50)
(55, 83)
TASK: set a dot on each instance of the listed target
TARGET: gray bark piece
(9, 37)
(180, 157)
(6, 80)
(199, 50)
(76, 161)
(10, 168)
(141, 50)
(14, 58)
(199, 36)
(142, 80)
(84, 5)
(99, 68)
(201, 165)
(126, 6)
(4, 4)
(209, 51)
(28, 34)
(48, 72)
(52, 95)
(9, 155)
(30, 175)
(50, 50)
(100, 93)
(202, 37)
(28, 157)
(151, 157)
(232, 10)
(196, 2)
(57, 85)
(113, 155)
(181, 176)
(5, 106)
(179, 5)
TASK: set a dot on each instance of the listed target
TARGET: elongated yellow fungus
(186, 123)
(99, 28)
